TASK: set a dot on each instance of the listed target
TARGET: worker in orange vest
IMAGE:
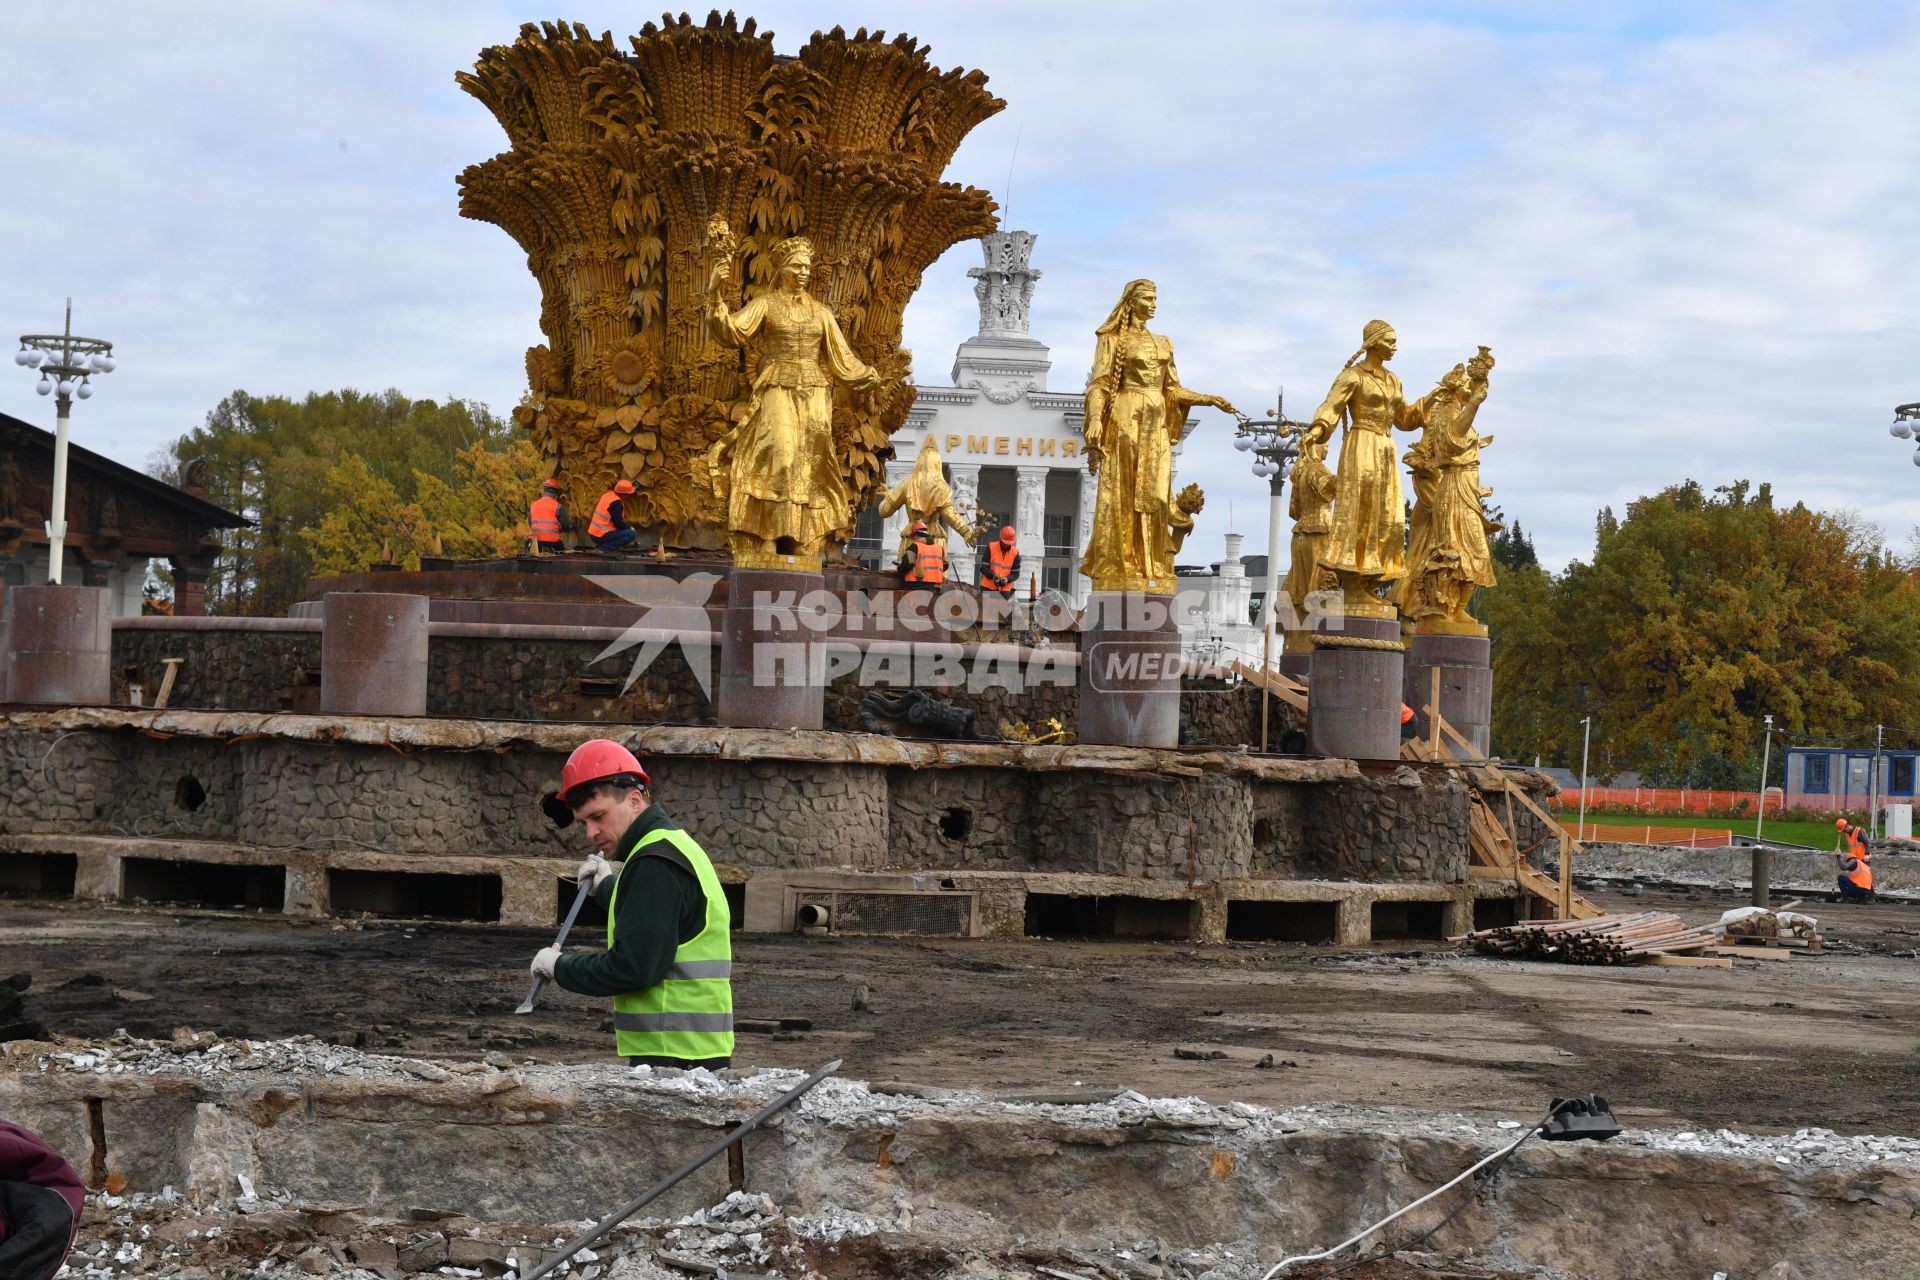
(609, 528)
(1002, 568)
(923, 565)
(1856, 864)
(1407, 728)
(547, 520)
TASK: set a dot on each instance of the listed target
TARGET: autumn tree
(274, 460)
(1697, 614)
(476, 512)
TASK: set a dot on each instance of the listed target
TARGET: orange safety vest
(602, 523)
(929, 563)
(997, 575)
(543, 517)
(1862, 873)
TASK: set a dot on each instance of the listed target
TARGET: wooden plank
(166, 682)
(1689, 962)
(1434, 718)
(1483, 872)
(1752, 953)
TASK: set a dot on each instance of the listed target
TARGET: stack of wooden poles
(1626, 939)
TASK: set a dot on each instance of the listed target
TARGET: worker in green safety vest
(669, 962)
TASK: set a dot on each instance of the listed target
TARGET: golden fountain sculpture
(1366, 542)
(1136, 409)
(1448, 556)
(660, 195)
(928, 499)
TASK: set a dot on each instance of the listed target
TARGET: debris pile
(1628, 939)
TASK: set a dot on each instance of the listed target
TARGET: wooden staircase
(1492, 849)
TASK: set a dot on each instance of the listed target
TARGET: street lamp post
(67, 364)
(1271, 442)
(1586, 740)
(1762, 859)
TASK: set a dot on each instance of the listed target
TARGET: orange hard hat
(1839, 824)
(1006, 534)
(919, 526)
(600, 760)
(1406, 713)
(623, 486)
(553, 484)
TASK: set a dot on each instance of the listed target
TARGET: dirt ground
(1827, 1041)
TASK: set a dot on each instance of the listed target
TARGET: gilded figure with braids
(1366, 541)
(1136, 409)
(928, 499)
(785, 491)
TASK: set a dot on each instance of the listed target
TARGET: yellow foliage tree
(480, 512)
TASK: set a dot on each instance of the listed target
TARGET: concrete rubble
(909, 1180)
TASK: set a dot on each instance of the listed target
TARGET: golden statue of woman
(785, 491)
(1448, 556)
(1311, 507)
(1136, 409)
(927, 497)
(1366, 546)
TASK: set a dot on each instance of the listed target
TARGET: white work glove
(543, 962)
(592, 872)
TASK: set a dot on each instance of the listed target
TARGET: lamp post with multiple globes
(66, 364)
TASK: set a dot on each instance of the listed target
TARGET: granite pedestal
(373, 654)
(1353, 708)
(772, 673)
(1466, 686)
(1129, 671)
(61, 645)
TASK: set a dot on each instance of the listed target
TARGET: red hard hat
(598, 761)
(919, 526)
(1839, 824)
(1006, 534)
(623, 486)
(1406, 713)
(553, 484)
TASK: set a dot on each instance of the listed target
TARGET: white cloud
(1687, 235)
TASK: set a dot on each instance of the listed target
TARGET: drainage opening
(736, 895)
(415, 894)
(1262, 832)
(37, 875)
(1409, 920)
(1256, 921)
(205, 884)
(188, 794)
(1060, 915)
(1495, 913)
(591, 924)
(955, 824)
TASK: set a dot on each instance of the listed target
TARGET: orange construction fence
(1684, 837)
(1675, 799)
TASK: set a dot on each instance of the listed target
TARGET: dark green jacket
(661, 906)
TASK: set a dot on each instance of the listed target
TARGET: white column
(1089, 489)
(896, 524)
(964, 477)
(1030, 524)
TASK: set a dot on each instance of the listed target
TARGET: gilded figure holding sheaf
(1449, 557)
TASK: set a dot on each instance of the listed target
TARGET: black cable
(1473, 1193)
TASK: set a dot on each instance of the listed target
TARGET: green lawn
(1818, 834)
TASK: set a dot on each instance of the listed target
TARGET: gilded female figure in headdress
(1366, 546)
(785, 490)
(1136, 409)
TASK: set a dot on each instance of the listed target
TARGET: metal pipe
(673, 1179)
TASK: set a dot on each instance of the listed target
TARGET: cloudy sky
(1688, 231)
